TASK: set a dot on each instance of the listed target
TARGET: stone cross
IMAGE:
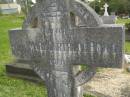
(56, 48)
(106, 9)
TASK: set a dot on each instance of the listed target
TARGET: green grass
(127, 47)
(127, 44)
(88, 95)
(11, 87)
(6, 23)
(122, 21)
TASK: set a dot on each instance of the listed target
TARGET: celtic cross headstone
(55, 47)
(106, 9)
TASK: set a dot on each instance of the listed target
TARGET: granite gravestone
(55, 47)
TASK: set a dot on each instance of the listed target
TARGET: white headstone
(34, 1)
(19, 8)
(14, 1)
(127, 58)
(106, 9)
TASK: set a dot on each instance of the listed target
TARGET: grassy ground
(122, 21)
(127, 44)
(10, 87)
(127, 47)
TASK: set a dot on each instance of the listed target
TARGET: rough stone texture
(53, 46)
(22, 70)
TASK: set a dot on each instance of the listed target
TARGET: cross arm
(101, 46)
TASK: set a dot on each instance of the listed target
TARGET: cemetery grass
(122, 21)
(127, 47)
(11, 87)
(127, 44)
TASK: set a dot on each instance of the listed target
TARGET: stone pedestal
(22, 70)
(109, 19)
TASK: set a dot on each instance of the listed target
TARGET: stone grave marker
(108, 19)
(56, 48)
(106, 9)
(127, 58)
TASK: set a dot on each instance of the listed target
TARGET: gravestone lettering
(55, 48)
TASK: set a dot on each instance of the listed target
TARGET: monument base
(109, 19)
(23, 71)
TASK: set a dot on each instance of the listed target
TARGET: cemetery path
(110, 83)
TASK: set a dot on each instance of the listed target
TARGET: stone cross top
(55, 47)
(106, 9)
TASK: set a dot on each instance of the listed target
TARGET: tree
(97, 6)
(118, 6)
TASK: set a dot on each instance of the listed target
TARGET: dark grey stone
(53, 45)
(23, 71)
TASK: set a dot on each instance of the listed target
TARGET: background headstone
(108, 19)
(106, 9)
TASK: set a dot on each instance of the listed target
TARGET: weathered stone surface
(22, 70)
(53, 46)
(109, 19)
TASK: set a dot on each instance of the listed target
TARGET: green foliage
(127, 43)
(88, 95)
(127, 26)
(97, 6)
(122, 21)
(6, 23)
(121, 7)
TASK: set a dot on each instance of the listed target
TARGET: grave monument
(57, 48)
(106, 9)
(108, 19)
